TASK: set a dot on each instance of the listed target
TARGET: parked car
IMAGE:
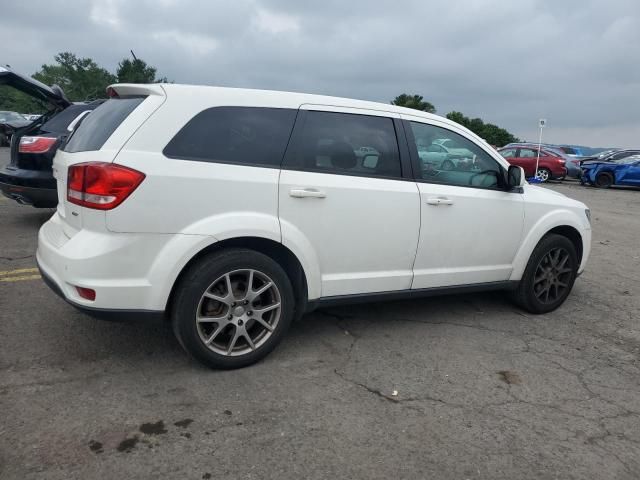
(442, 158)
(611, 155)
(232, 211)
(28, 178)
(571, 163)
(9, 123)
(605, 173)
(551, 165)
(32, 116)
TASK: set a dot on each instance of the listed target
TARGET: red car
(550, 166)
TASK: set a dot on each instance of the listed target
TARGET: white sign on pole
(543, 122)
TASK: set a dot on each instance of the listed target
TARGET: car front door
(471, 226)
(357, 216)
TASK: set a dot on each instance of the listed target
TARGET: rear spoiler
(122, 89)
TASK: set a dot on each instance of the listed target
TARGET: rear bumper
(29, 187)
(108, 314)
(129, 272)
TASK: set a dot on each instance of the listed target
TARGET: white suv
(232, 211)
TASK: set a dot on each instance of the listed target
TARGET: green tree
(491, 133)
(137, 71)
(80, 78)
(413, 101)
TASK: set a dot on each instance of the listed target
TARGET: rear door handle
(306, 193)
(439, 201)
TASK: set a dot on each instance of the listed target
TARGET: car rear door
(357, 217)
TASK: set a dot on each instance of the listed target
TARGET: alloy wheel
(553, 276)
(238, 312)
(543, 174)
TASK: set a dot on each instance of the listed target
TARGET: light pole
(542, 123)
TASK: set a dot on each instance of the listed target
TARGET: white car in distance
(231, 211)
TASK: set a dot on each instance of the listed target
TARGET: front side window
(244, 135)
(346, 144)
(509, 153)
(462, 164)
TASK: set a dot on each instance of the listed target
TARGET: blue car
(603, 174)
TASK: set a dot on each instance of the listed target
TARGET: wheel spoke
(226, 299)
(256, 293)
(264, 323)
(207, 319)
(229, 287)
(247, 337)
(249, 283)
(268, 308)
(234, 339)
(215, 333)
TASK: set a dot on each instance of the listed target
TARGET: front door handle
(306, 193)
(439, 201)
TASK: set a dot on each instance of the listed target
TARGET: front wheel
(232, 308)
(549, 275)
(604, 180)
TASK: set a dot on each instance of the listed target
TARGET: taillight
(101, 185)
(36, 144)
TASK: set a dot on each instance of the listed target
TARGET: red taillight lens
(86, 293)
(36, 144)
(100, 185)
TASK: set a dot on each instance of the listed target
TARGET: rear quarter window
(255, 136)
(96, 128)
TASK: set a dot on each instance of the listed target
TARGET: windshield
(11, 117)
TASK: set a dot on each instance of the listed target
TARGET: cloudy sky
(510, 62)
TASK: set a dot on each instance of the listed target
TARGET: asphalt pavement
(459, 387)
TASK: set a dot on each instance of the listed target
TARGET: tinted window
(464, 164)
(96, 128)
(526, 153)
(246, 135)
(59, 123)
(346, 144)
(509, 153)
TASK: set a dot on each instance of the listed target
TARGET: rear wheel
(604, 180)
(549, 275)
(544, 174)
(232, 308)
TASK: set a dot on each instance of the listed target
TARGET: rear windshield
(96, 128)
(59, 123)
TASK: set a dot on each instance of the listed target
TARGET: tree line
(81, 79)
(493, 134)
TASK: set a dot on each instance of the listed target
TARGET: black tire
(604, 180)
(188, 300)
(529, 294)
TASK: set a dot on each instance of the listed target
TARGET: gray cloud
(574, 62)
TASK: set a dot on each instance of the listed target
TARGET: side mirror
(515, 177)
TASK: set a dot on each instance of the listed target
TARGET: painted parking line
(20, 279)
(19, 275)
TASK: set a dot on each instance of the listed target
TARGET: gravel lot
(484, 390)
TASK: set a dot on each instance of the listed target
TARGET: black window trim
(415, 161)
(406, 173)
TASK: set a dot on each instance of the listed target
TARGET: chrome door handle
(439, 201)
(306, 193)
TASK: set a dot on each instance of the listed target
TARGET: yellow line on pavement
(18, 271)
(20, 279)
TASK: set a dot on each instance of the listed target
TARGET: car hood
(34, 88)
(595, 163)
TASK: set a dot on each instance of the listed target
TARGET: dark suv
(28, 179)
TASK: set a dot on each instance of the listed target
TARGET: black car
(28, 178)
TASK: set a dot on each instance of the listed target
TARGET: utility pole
(133, 55)
(542, 123)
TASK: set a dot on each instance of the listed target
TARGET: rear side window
(346, 144)
(59, 123)
(96, 128)
(245, 135)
